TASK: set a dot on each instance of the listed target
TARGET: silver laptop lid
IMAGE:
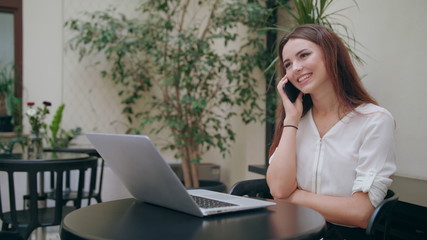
(141, 168)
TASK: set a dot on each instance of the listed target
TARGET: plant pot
(212, 186)
(6, 123)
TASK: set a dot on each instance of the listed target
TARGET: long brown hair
(345, 80)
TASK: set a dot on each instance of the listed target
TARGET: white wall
(394, 35)
(392, 32)
(42, 47)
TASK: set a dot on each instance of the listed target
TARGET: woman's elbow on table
(281, 191)
(279, 194)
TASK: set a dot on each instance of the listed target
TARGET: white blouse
(356, 154)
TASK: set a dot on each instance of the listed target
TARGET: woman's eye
(303, 55)
(287, 65)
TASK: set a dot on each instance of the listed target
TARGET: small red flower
(30, 103)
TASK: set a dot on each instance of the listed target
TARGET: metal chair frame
(26, 220)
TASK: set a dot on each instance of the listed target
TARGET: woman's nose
(297, 67)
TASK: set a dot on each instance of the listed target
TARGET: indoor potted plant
(9, 103)
(167, 62)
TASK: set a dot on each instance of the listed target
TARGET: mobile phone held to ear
(291, 91)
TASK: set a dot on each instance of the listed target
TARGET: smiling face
(305, 67)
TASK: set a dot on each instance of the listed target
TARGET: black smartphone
(291, 91)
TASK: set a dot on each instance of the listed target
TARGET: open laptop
(147, 176)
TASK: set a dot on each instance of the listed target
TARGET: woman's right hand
(293, 110)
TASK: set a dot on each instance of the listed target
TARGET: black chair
(26, 220)
(379, 221)
(6, 235)
(71, 195)
(255, 188)
(398, 220)
(392, 219)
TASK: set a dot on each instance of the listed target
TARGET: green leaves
(183, 69)
(8, 101)
(56, 123)
(59, 137)
(317, 12)
(184, 66)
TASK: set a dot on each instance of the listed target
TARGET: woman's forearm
(351, 211)
(281, 174)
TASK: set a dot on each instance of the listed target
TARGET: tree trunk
(186, 170)
(189, 168)
(195, 174)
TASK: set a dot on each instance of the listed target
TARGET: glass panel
(6, 40)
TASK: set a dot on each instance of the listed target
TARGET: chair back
(26, 220)
(255, 188)
(379, 222)
(395, 219)
(71, 194)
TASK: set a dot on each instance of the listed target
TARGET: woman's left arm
(352, 211)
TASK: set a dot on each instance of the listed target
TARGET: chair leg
(5, 226)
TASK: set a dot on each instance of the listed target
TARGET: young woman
(333, 149)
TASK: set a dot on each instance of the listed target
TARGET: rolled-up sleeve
(377, 157)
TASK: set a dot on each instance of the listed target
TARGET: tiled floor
(48, 233)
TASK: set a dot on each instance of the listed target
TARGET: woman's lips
(303, 77)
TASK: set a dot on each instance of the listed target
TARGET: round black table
(133, 219)
(88, 151)
(17, 159)
(45, 156)
(20, 161)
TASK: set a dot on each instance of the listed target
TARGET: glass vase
(34, 147)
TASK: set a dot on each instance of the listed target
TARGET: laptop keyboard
(210, 203)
